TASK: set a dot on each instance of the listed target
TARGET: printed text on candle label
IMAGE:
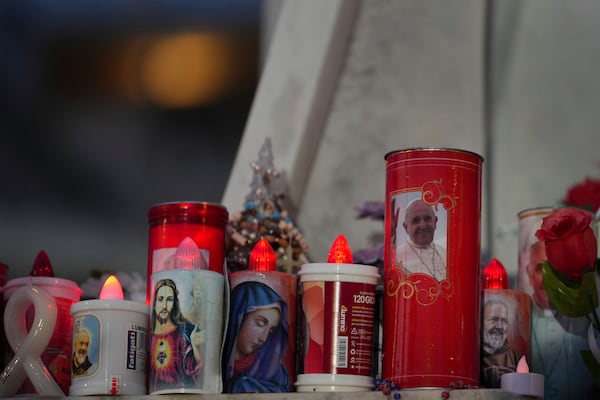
(136, 348)
(352, 306)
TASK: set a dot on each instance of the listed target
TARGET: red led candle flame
(262, 257)
(495, 276)
(522, 366)
(340, 252)
(42, 266)
(111, 290)
(189, 256)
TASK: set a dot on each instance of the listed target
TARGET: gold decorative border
(422, 287)
(433, 194)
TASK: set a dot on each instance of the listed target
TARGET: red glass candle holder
(170, 223)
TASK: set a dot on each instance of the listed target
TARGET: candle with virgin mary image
(259, 353)
(556, 340)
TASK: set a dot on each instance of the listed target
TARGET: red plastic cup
(170, 223)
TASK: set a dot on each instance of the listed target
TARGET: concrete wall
(513, 81)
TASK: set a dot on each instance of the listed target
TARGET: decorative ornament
(264, 216)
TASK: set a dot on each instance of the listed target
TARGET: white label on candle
(136, 347)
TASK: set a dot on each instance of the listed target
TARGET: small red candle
(42, 265)
(340, 252)
(262, 257)
(495, 276)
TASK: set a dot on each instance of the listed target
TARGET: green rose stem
(574, 299)
(570, 297)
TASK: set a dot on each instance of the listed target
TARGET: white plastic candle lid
(333, 383)
(120, 305)
(55, 287)
(318, 272)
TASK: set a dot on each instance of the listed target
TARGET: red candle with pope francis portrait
(432, 284)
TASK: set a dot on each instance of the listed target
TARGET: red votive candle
(170, 223)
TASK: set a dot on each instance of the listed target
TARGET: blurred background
(109, 107)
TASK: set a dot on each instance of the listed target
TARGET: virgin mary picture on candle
(257, 338)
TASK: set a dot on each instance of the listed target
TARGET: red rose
(571, 245)
(584, 194)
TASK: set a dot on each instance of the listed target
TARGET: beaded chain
(388, 387)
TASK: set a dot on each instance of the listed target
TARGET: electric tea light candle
(109, 344)
(523, 382)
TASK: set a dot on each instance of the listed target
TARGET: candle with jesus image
(186, 325)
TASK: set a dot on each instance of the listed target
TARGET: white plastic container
(338, 303)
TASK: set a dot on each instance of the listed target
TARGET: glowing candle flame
(189, 256)
(111, 290)
(340, 252)
(522, 365)
(495, 276)
(42, 266)
(262, 257)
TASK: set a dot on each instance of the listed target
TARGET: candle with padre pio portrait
(187, 325)
(432, 285)
(109, 344)
(170, 223)
(505, 326)
(57, 354)
(260, 344)
(338, 304)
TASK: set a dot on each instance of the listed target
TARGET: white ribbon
(28, 346)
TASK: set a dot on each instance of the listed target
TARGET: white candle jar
(109, 348)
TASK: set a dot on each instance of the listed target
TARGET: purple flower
(371, 209)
